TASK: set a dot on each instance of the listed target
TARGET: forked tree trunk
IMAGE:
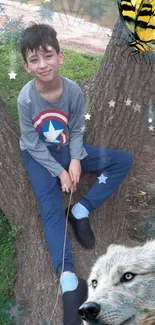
(117, 127)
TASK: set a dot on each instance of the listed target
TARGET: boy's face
(43, 65)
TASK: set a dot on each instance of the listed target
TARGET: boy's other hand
(65, 180)
(75, 172)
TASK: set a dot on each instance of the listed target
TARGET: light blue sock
(68, 281)
(79, 211)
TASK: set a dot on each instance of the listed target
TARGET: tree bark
(117, 127)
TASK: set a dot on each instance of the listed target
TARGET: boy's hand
(75, 172)
(65, 181)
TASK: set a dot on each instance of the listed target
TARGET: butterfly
(138, 17)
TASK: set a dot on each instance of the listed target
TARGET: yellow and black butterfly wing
(129, 11)
(138, 17)
(145, 25)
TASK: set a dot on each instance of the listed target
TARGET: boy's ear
(26, 67)
(61, 57)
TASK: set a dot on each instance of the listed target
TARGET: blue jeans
(111, 166)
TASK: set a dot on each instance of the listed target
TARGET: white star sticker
(102, 179)
(12, 75)
(87, 116)
(52, 134)
(150, 120)
(128, 102)
(151, 128)
(83, 129)
(112, 103)
(137, 108)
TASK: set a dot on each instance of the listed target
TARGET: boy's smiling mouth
(45, 73)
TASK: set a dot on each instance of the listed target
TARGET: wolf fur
(123, 302)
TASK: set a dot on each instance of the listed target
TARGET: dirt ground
(74, 33)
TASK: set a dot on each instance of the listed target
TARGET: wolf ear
(113, 248)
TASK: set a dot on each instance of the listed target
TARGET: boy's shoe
(82, 229)
(72, 300)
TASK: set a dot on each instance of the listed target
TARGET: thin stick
(63, 256)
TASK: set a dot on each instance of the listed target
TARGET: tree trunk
(117, 127)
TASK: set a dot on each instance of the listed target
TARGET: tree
(118, 126)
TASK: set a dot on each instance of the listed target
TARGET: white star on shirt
(87, 116)
(12, 75)
(28, 101)
(128, 102)
(102, 179)
(137, 108)
(112, 103)
(52, 134)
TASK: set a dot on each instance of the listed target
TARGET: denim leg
(49, 197)
(111, 165)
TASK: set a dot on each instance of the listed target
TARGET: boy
(51, 115)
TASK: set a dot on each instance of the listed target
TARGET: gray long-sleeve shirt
(44, 123)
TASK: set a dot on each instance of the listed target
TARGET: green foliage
(8, 264)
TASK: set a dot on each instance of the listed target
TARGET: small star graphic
(151, 128)
(137, 108)
(112, 103)
(150, 120)
(83, 129)
(128, 102)
(102, 179)
(87, 116)
(12, 75)
(28, 101)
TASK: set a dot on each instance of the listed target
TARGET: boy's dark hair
(38, 35)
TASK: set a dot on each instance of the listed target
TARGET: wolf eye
(94, 283)
(127, 277)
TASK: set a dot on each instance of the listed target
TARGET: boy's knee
(127, 159)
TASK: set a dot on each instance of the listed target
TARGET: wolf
(121, 287)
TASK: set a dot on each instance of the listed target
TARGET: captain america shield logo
(51, 126)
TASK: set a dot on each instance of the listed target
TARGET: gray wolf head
(121, 286)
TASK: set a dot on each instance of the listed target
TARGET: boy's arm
(76, 126)
(34, 145)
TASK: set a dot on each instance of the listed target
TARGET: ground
(74, 33)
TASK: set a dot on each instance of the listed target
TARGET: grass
(77, 66)
(8, 265)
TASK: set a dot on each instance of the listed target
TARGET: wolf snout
(89, 310)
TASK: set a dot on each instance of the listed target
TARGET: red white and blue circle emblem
(51, 126)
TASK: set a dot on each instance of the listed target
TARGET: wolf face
(121, 286)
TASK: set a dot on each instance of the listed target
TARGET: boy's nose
(42, 63)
